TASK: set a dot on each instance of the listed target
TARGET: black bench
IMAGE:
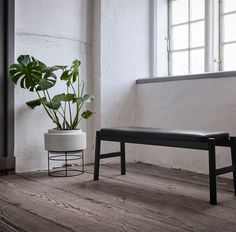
(171, 138)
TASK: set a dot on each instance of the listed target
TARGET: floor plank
(175, 174)
(14, 219)
(146, 199)
(74, 206)
(4, 227)
(137, 193)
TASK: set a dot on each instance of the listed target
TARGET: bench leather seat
(162, 134)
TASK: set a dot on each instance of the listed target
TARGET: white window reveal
(194, 36)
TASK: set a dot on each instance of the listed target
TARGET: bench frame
(209, 145)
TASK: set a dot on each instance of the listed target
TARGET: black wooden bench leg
(212, 171)
(122, 158)
(97, 156)
(233, 157)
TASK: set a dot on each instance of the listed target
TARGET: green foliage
(64, 97)
(35, 76)
(86, 114)
(37, 102)
(70, 76)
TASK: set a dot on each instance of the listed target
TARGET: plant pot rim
(64, 140)
(54, 130)
(65, 129)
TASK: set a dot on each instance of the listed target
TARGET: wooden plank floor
(148, 198)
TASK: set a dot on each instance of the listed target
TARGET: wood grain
(146, 199)
(13, 218)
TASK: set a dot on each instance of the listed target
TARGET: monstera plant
(64, 109)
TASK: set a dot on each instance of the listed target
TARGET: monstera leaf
(64, 97)
(64, 109)
(86, 98)
(47, 81)
(86, 114)
(70, 76)
(53, 105)
(33, 74)
(34, 103)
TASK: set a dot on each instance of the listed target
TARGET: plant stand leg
(48, 163)
(82, 161)
(66, 160)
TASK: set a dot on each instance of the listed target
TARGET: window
(201, 36)
(186, 31)
(228, 35)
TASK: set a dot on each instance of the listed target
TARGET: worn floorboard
(148, 198)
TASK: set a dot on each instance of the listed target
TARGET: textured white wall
(118, 56)
(124, 56)
(207, 104)
(56, 32)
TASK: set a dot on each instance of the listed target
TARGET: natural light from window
(186, 31)
(196, 40)
(228, 35)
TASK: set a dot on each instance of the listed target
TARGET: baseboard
(7, 165)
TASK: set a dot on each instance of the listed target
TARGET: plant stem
(78, 85)
(69, 109)
(64, 113)
(57, 119)
(73, 90)
(78, 102)
(48, 112)
(76, 120)
(68, 125)
(64, 118)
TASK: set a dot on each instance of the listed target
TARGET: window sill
(187, 77)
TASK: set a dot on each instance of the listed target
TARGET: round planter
(65, 140)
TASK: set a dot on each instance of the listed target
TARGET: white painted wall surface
(124, 50)
(120, 54)
(124, 56)
(207, 104)
(56, 32)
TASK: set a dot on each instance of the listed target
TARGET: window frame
(221, 34)
(159, 46)
(171, 50)
(159, 68)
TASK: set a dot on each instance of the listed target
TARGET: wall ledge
(187, 77)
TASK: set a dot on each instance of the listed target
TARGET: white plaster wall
(124, 57)
(207, 104)
(56, 32)
(96, 54)
(120, 54)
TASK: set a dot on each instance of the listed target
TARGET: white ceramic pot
(65, 140)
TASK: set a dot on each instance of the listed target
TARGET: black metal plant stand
(68, 168)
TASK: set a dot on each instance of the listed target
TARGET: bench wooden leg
(212, 171)
(97, 156)
(233, 157)
(122, 158)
